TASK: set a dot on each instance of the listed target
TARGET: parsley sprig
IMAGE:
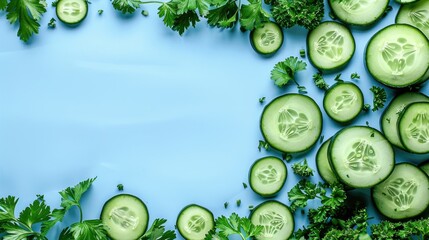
(157, 231)
(302, 169)
(233, 225)
(379, 97)
(285, 71)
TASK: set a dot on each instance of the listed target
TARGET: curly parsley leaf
(126, 6)
(379, 97)
(223, 16)
(319, 81)
(301, 193)
(285, 71)
(3, 5)
(253, 15)
(306, 13)
(27, 14)
(157, 231)
(302, 169)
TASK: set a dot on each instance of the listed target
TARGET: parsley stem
(146, 2)
(81, 214)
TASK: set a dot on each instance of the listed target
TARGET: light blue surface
(174, 119)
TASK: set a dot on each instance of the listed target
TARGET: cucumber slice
(267, 176)
(291, 123)
(275, 218)
(406, 1)
(267, 39)
(359, 12)
(72, 11)
(194, 222)
(404, 194)
(125, 217)
(398, 56)
(413, 127)
(425, 167)
(322, 164)
(330, 46)
(415, 14)
(343, 102)
(360, 156)
(390, 116)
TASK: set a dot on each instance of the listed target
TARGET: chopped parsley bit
(261, 100)
(366, 107)
(302, 53)
(52, 23)
(332, 16)
(319, 81)
(251, 207)
(321, 138)
(302, 169)
(238, 202)
(388, 120)
(145, 13)
(287, 157)
(225, 205)
(338, 78)
(100, 11)
(367, 123)
(302, 89)
(354, 76)
(379, 99)
(120, 187)
(244, 185)
(263, 144)
(372, 134)
(55, 3)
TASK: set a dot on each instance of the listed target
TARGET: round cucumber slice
(125, 217)
(359, 12)
(398, 55)
(275, 218)
(413, 127)
(390, 116)
(404, 194)
(267, 176)
(291, 123)
(194, 222)
(361, 156)
(330, 46)
(415, 14)
(343, 102)
(267, 39)
(322, 164)
(72, 11)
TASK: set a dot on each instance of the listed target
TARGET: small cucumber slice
(267, 39)
(275, 218)
(361, 156)
(291, 123)
(343, 102)
(330, 46)
(413, 127)
(267, 176)
(72, 11)
(404, 194)
(390, 116)
(194, 222)
(125, 217)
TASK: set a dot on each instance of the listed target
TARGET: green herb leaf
(302, 169)
(285, 71)
(379, 97)
(253, 15)
(27, 13)
(319, 81)
(3, 5)
(184, 21)
(167, 11)
(120, 187)
(157, 231)
(37, 212)
(263, 144)
(261, 100)
(234, 225)
(7, 208)
(354, 76)
(52, 23)
(184, 6)
(126, 6)
(89, 229)
(306, 13)
(224, 16)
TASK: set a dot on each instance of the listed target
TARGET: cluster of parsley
(37, 219)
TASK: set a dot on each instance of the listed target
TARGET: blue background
(174, 119)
